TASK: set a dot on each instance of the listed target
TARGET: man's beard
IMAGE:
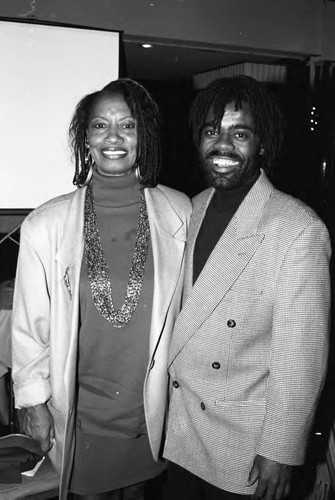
(239, 176)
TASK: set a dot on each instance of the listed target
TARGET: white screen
(44, 72)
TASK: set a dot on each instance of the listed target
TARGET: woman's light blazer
(46, 311)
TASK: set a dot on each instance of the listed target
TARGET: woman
(6, 301)
(90, 337)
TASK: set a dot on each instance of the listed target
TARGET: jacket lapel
(71, 249)
(69, 259)
(203, 200)
(231, 255)
(168, 236)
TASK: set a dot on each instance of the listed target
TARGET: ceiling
(175, 62)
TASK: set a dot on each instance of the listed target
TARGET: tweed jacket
(249, 349)
(46, 305)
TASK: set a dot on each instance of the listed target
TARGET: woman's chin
(109, 172)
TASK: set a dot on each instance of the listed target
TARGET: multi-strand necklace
(97, 268)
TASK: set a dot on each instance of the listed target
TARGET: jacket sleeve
(30, 323)
(299, 346)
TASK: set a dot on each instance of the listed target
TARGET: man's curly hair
(269, 122)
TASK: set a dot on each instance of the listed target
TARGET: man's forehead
(238, 110)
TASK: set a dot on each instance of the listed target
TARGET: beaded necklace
(97, 268)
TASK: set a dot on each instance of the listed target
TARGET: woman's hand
(37, 423)
(3, 401)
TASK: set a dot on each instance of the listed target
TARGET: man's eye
(241, 135)
(211, 132)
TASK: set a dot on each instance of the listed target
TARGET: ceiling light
(146, 45)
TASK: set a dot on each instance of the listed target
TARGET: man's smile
(223, 162)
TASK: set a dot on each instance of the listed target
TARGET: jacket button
(231, 323)
(202, 406)
(216, 365)
(175, 384)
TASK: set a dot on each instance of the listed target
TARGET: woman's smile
(113, 153)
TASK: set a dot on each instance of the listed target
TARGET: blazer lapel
(197, 217)
(69, 258)
(70, 252)
(231, 255)
(168, 236)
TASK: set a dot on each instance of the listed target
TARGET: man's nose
(224, 141)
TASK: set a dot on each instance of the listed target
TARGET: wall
(293, 26)
(328, 31)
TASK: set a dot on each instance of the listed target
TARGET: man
(249, 348)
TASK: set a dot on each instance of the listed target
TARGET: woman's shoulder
(51, 211)
(176, 198)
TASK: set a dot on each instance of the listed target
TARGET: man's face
(230, 152)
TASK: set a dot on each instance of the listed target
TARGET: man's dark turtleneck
(219, 213)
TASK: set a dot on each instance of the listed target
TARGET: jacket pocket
(221, 403)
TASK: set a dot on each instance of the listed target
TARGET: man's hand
(37, 423)
(274, 479)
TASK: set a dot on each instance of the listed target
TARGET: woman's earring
(88, 156)
(89, 162)
(89, 176)
(138, 174)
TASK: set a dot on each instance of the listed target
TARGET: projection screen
(45, 70)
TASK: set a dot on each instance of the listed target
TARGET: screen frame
(33, 21)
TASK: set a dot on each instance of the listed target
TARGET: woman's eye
(99, 125)
(128, 125)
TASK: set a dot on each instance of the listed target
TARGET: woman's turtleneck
(218, 215)
(117, 202)
(111, 432)
(115, 190)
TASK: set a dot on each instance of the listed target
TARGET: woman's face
(112, 136)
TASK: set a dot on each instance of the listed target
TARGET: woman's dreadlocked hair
(269, 123)
(146, 113)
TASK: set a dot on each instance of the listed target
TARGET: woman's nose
(114, 135)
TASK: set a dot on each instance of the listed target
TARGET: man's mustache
(221, 154)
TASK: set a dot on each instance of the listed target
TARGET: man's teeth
(224, 162)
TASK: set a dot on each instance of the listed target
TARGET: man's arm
(299, 352)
